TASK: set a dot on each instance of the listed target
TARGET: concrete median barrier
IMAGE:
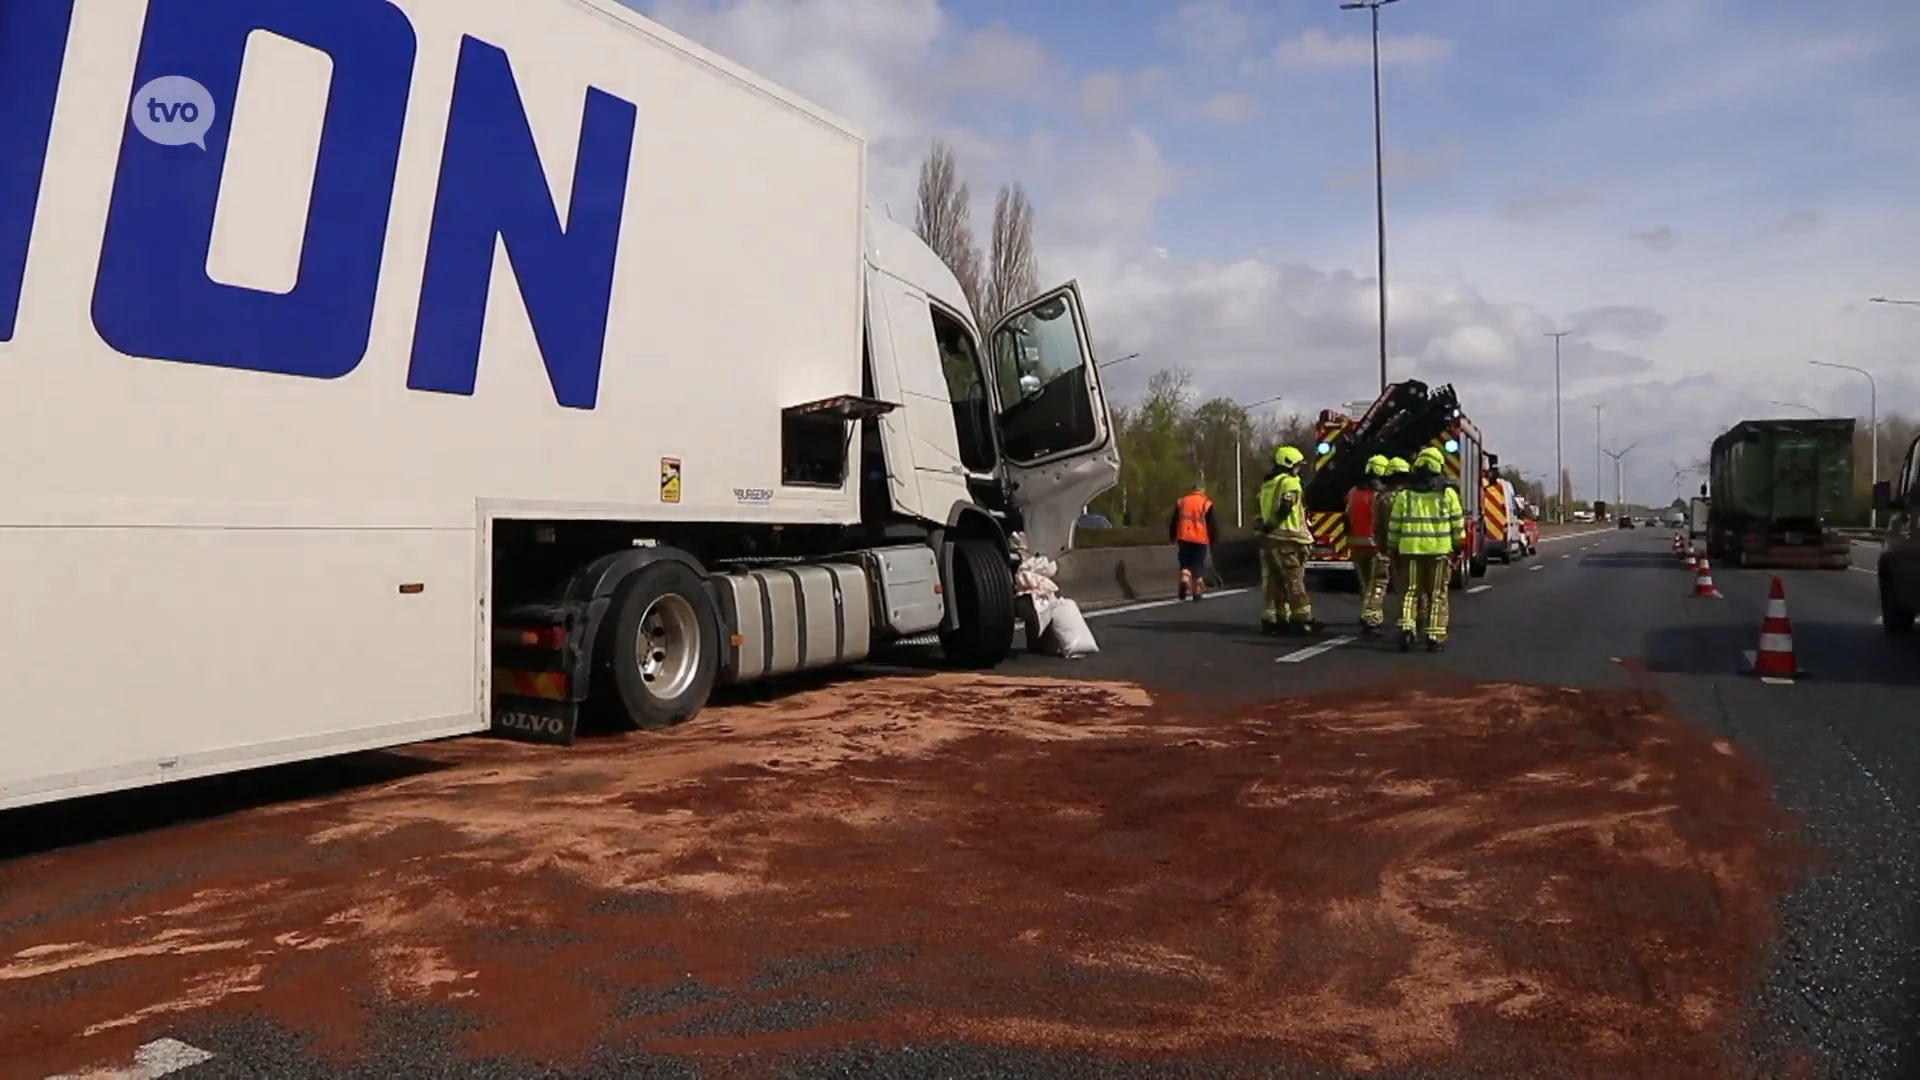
(1117, 575)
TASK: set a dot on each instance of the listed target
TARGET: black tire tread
(983, 591)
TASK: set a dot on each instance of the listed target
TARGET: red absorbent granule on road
(1546, 878)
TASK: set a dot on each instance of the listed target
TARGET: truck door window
(967, 389)
(1040, 370)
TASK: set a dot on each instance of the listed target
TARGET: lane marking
(1148, 605)
(1536, 567)
(1478, 589)
(1569, 555)
(152, 1060)
(1864, 570)
(1312, 651)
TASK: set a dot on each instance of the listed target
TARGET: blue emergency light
(1453, 446)
(1324, 448)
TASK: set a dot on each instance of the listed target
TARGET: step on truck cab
(385, 370)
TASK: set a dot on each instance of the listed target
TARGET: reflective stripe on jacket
(1190, 515)
(1428, 520)
(1383, 505)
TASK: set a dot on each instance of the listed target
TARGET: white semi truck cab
(376, 371)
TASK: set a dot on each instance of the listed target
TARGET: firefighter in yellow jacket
(1428, 529)
(1284, 544)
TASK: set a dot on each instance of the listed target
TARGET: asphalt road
(1613, 610)
(1604, 611)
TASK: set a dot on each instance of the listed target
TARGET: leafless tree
(1013, 271)
(942, 218)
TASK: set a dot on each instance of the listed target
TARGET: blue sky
(1704, 191)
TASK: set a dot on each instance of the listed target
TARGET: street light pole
(1873, 422)
(1598, 483)
(1239, 455)
(1379, 173)
(1559, 466)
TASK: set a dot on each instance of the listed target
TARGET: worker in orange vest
(1192, 530)
(1368, 560)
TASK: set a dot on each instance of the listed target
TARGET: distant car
(1626, 522)
(1094, 521)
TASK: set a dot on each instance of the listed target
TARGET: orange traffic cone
(1703, 581)
(1774, 659)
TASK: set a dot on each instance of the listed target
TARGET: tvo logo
(173, 110)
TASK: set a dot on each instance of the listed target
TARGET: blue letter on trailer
(33, 44)
(152, 296)
(492, 184)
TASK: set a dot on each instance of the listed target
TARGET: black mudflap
(535, 720)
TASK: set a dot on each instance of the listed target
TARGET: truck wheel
(1506, 555)
(1458, 579)
(1477, 566)
(662, 655)
(1895, 620)
(982, 593)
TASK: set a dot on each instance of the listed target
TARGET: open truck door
(1056, 437)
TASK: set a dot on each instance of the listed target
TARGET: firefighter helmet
(1378, 465)
(1287, 457)
(1429, 458)
(1398, 466)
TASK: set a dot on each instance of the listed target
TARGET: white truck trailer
(376, 371)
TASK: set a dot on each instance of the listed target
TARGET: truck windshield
(967, 389)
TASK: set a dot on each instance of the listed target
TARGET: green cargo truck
(1775, 484)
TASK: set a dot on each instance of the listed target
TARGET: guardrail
(1119, 574)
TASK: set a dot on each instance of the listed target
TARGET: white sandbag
(1067, 633)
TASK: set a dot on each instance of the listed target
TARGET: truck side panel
(256, 392)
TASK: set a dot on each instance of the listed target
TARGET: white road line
(1536, 566)
(1478, 588)
(1572, 536)
(1311, 651)
(153, 1060)
(1864, 570)
(1568, 555)
(1147, 605)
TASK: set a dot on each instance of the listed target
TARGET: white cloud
(1229, 108)
(1675, 343)
(1314, 49)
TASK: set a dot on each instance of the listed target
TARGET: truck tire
(1457, 580)
(660, 654)
(982, 593)
(1506, 555)
(1477, 566)
(1895, 620)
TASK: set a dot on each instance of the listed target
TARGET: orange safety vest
(1360, 518)
(1192, 528)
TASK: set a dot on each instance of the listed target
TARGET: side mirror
(1883, 499)
(1029, 385)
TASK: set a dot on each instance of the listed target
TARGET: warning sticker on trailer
(669, 479)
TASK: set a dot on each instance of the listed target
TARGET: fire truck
(1406, 417)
